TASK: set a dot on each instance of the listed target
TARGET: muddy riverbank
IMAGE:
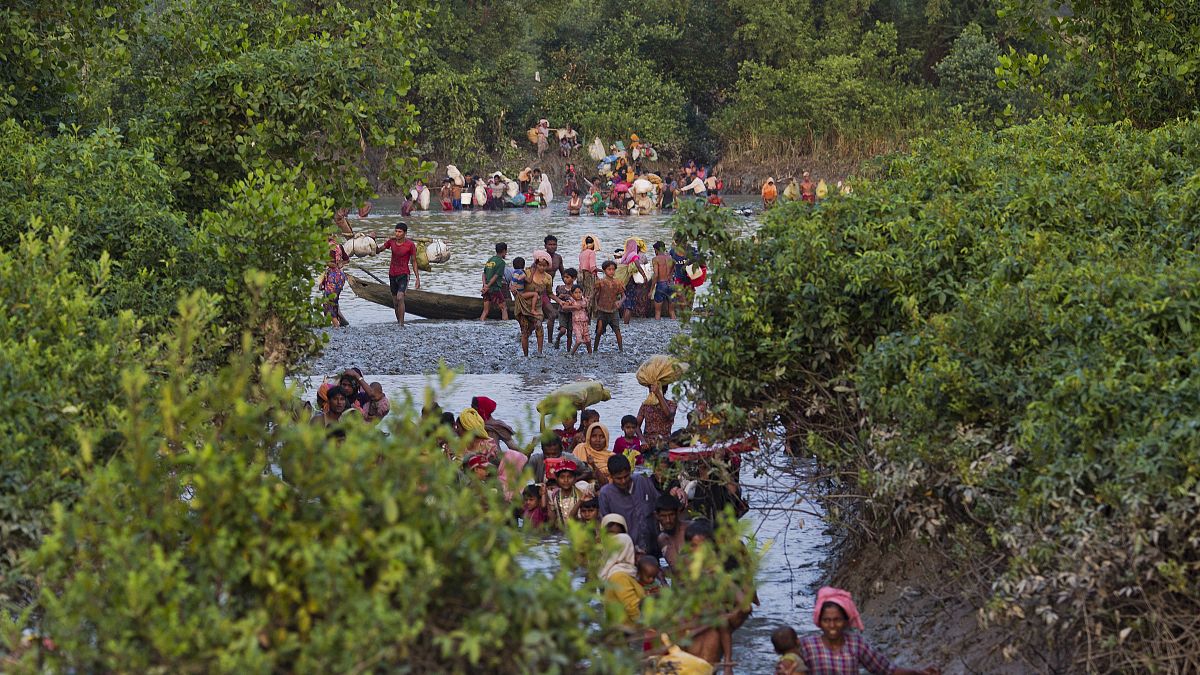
(476, 347)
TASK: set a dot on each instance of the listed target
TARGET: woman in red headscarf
(836, 652)
(498, 429)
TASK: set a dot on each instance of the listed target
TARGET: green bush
(190, 552)
(861, 94)
(967, 75)
(615, 98)
(114, 198)
(227, 534)
(60, 353)
(997, 339)
(264, 247)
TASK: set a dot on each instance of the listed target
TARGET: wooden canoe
(452, 307)
(423, 303)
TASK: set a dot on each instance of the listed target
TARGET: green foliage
(114, 198)
(368, 552)
(614, 99)
(863, 93)
(1140, 60)
(999, 336)
(62, 61)
(60, 351)
(263, 248)
(313, 90)
(967, 76)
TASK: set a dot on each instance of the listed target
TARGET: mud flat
(475, 347)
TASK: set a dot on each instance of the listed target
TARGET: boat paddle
(370, 274)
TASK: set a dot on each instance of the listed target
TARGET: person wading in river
(527, 301)
(403, 251)
(834, 651)
(664, 280)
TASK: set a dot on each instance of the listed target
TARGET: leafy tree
(1140, 60)
(841, 95)
(263, 247)
(967, 76)
(115, 199)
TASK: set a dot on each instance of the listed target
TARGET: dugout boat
(456, 307)
(424, 303)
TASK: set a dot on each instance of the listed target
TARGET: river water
(789, 527)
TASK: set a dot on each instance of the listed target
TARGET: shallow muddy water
(792, 530)
(472, 236)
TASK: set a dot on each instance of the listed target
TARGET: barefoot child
(494, 291)
(609, 293)
(580, 321)
(562, 295)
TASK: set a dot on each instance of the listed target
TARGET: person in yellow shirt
(621, 587)
(594, 451)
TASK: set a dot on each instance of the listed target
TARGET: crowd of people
(656, 509)
(626, 189)
(597, 293)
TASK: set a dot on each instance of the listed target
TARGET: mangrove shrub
(997, 341)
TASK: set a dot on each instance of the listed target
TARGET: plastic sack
(792, 192)
(680, 662)
(822, 189)
(455, 175)
(660, 369)
(360, 246)
(438, 251)
(596, 149)
(421, 257)
(580, 394)
(532, 135)
(641, 186)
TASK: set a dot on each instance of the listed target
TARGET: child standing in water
(588, 266)
(533, 513)
(609, 293)
(562, 295)
(580, 320)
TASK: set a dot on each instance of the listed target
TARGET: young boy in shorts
(609, 294)
(404, 262)
(495, 291)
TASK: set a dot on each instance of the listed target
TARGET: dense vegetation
(169, 171)
(996, 340)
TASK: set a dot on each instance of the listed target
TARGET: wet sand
(475, 347)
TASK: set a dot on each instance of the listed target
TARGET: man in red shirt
(403, 252)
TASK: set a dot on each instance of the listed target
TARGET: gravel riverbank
(481, 348)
